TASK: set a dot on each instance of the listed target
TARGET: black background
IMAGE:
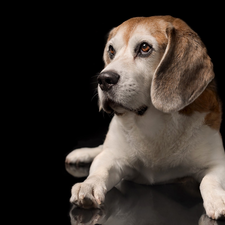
(67, 43)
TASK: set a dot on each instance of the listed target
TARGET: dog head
(157, 61)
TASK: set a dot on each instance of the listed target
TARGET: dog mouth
(110, 106)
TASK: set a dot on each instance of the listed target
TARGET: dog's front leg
(106, 171)
(213, 192)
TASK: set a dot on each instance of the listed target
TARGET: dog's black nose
(107, 79)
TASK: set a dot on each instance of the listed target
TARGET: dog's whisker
(95, 95)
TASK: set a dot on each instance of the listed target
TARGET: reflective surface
(133, 204)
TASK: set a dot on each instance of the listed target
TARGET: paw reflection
(86, 216)
(130, 203)
(78, 170)
(205, 220)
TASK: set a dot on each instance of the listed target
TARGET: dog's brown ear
(184, 72)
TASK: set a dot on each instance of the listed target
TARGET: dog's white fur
(162, 144)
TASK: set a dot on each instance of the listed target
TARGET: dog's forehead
(155, 26)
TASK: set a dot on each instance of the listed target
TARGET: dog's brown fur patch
(209, 102)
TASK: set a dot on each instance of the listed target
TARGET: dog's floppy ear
(184, 72)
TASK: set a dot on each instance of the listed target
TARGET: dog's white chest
(154, 143)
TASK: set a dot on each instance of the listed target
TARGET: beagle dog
(159, 82)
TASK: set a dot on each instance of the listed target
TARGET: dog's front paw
(215, 204)
(89, 194)
(80, 156)
(77, 171)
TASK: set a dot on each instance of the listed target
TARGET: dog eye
(145, 49)
(111, 52)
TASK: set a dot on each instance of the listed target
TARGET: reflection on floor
(133, 204)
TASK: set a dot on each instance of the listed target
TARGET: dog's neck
(130, 120)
